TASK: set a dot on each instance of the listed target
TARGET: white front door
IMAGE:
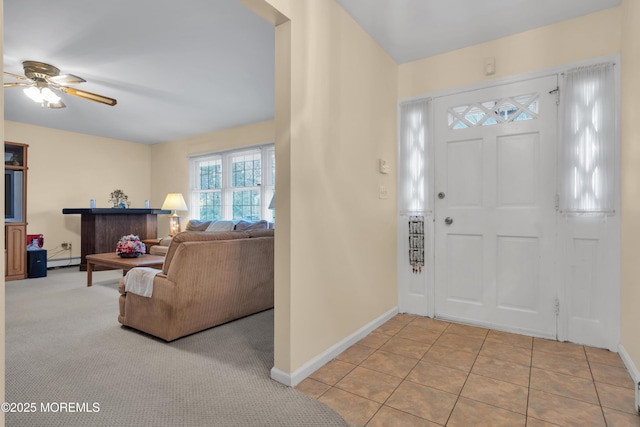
(495, 207)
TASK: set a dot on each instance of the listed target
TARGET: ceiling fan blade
(88, 95)
(66, 79)
(14, 84)
(16, 76)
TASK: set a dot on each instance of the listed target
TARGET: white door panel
(590, 266)
(495, 261)
(518, 169)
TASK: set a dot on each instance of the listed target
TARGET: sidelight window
(413, 164)
(588, 140)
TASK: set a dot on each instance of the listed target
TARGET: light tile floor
(417, 371)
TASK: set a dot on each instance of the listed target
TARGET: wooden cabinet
(15, 210)
(101, 228)
(16, 252)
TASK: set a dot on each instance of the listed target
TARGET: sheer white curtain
(413, 165)
(587, 140)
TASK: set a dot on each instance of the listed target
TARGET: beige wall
(630, 296)
(570, 41)
(67, 169)
(170, 162)
(341, 272)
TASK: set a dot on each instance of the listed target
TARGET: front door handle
(448, 220)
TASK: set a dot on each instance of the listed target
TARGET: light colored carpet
(64, 344)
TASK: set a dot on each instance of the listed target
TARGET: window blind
(413, 164)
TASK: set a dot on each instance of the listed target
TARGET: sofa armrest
(152, 315)
(158, 250)
(121, 286)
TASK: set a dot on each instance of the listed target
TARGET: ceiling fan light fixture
(33, 93)
(42, 95)
(49, 96)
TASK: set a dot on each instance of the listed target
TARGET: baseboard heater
(63, 262)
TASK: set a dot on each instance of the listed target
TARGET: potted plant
(119, 199)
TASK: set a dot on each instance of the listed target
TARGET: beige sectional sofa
(208, 278)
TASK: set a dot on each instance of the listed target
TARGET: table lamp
(174, 202)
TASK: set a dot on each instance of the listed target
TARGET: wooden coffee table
(110, 259)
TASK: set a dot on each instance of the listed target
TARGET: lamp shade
(174, 202)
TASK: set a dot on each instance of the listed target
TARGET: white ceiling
(181, 69)
(177, 69)
(413, 29)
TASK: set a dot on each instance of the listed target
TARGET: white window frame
(266, 186)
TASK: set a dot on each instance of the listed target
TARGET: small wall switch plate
(384, 192)
(489, 66)
(384, 166)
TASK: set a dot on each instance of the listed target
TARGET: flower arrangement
(130, 246)
(119, 199)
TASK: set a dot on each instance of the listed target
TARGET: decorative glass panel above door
(493, 112)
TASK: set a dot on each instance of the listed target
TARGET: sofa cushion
(246, 225)
(266, 232)
(198, 236)
(165, 241)
(220, 225)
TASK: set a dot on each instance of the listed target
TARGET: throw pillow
(196, 225)
(246, 226)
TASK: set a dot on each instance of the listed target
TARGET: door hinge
(557, 307)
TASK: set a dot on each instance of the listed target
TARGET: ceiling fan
(39, 79)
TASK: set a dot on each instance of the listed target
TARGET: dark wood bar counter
(101, 228)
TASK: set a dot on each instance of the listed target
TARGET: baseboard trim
(296, 377)
(63, 262)
(633, 371)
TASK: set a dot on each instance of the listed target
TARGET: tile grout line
(593, 380)
(490, 404)
(468, 374)
(401, 381)
(526, 410)
(376, 349)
